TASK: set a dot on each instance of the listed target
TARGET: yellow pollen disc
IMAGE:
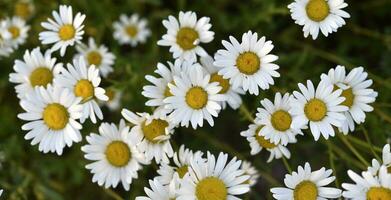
(196, 98)
(224, 83)
(66, 32)
(55, 116)
(305, 190)
(263, 142)
(154, 129)
(281, 120)
(389, 169)
(131, 30)
(110, 93)
(118, 153)
(211, 188)
(186, 37)
(349, 97)
(167, 92)
(15, 31)
(84, 89)
(182, 171)
(41, 76)
(315, 110)
(94, 58)
(248, 63)
(379, 193)
(317, 10)
(22, 10)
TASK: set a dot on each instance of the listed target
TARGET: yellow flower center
(186, 38)
(55, 116)
(167, 92)
(41, 76)
(156, 128)
(315, 110)
(248, 63)
(131, 30)
(349, 97)
(196, 98)
(66, 32)
(265, 143)
(15, 31)
(94, 58)
(118, 153)
(305, 190)
(379, 193)
(211, 188)
(224, 83)
(22, 9)
(110, 93)
(317, 10)
(281, 120)
(84, 89)
(182, 171)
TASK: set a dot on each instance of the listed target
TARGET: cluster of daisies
(13, 33)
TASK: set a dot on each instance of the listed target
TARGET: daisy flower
(277, 121)
(314, 15)
(247, 65)
(5, 40)
(131, 30)
(368, 186)
(251, 171)
(214, 179)
(84, 82)
(24, 9)
(152, 135)
(65, 30)
(321, 108)
(194, 98)
(36, 69)
(159, 191)
(98, 56)
(114, 101)
(184, 35)
(307, 185)
(114, 155)
(51, 114)
(259, 142)
(355, 89)
(386, 161)
(18, 29)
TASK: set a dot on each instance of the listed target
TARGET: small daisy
(159, 191)
(114, 101)
(386, 161)
(368, 186)
(184, 35)
(314, 15)
(84, 82)
(24, 9)
(307, 185)
(248, 65)
(114, 155)
(18, 29)
(52, 115)
(65, 30)
(151, 134)
(277, 121)
(36, 69)
(98, 56)
(355, 89)
(251, 171)
(5, 40)
(258, 142)
(131, 30)
(232, 95)
(320, 108)
(194, 98)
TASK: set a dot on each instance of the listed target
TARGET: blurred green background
(26, 173)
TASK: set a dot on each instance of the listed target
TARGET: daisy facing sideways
(251, 171)
(386, 161)
(307, 185)
(18, 29)
(159, 191)
(131, 30)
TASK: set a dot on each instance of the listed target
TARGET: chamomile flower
(36, 69)
(233, 98)
(84, 82)
(114, 155)
(320, 108)
(184, 35)
(258, 142)
(194, 98)
(151, 134)
(159, 191)
(386, 161)
(355, 89)
(5, 40)
(24, 9)
(368, 186)
(131, 30)
(65, 30)
(277, 121)
(52, 113)
(114, 101)
(251, 171)
(314, 15)
(214, 179)
(307, 185)
(18, 30)
(98, 56)
(247, 65)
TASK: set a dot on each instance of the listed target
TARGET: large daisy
(386, 161)
(355, 89)
(65, 30)
(159, 191)
(320, 108)
(314, 15)
(52, 113)
(131, 30)
(248, 65)
(184, 35)
(307, 185)
(18, 29)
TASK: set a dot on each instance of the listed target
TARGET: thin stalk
(112, 194)
(352, 149)
(362, 143)
(287, 166)
(332, 164)
(369, 142)
(246, 113)
(347, 158)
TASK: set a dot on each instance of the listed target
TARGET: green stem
(352, 149)
(346, 158)
(332, 164)
(287, 166)
(112, 194)
(246, 113)
(369, 142)
(362, 143)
